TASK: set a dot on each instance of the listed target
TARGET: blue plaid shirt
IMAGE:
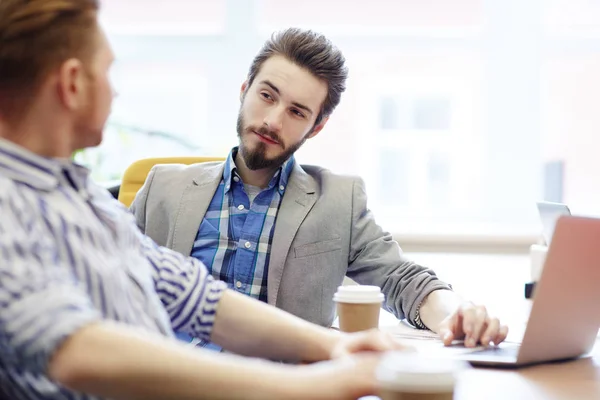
(234, 238)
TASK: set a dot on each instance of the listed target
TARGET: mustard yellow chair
(135, 175)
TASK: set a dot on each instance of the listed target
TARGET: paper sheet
(427, 342)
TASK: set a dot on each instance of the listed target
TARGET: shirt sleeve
(41, 302)
(188, 292)
(376, 259)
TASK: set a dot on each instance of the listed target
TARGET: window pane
(391, 113)
(160, 110)
(571, 120)
(428, 112)
(438, 179)
(394, 167)
(441, 117)
(418, 132)
(432, 113)
(160, 75)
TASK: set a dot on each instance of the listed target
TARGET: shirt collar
(42, 173)
(280, 178)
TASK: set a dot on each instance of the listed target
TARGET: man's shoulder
(19, 207)
(187, 168)
(327, 177)
(184, 172)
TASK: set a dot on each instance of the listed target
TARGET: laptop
(549, 214)
(565, 316)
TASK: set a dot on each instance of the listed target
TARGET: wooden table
(566, 380)
(497, 281)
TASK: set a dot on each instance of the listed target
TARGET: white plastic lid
(358, 294)
(418, 373)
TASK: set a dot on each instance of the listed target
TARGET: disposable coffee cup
(358, 307)
(410, 376)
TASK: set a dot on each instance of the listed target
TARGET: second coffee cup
(358, 307)
(410, 376)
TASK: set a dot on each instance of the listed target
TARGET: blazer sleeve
(376, 259)
(138, 206)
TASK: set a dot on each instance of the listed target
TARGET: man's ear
(71, 84)
(243, 90)
(317, 128)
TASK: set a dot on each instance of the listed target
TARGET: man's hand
(473, 324)
(369, 341)
(447, 314)
(346, 378)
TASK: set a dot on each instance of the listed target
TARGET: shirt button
(236, 179)
(241, 207)
(238, 284)
(282, 188)
(247, 245)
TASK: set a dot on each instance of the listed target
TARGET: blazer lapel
(194, 202)
(298, 200)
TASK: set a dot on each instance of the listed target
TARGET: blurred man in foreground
(88, 303)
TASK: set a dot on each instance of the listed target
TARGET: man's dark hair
(315, 53)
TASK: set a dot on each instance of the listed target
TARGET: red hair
(37, 36)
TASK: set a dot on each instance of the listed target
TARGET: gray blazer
(323, 232)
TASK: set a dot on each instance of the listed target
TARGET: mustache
(263, 131)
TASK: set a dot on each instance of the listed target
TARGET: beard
(256, 158)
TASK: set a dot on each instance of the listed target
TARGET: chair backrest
(135, 175)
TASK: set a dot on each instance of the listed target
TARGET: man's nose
(274, 119)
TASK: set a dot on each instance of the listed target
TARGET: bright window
(459, 115)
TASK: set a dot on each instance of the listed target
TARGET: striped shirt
(70, 255)
(234, 238)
